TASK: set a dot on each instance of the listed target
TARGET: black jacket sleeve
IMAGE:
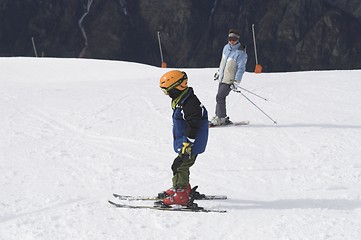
(192, 109)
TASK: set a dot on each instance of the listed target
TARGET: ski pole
(252, 93)
(256, 106)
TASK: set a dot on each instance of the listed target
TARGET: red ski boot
(171, 191)
(166, 193)
(189, 188)
(180, 197)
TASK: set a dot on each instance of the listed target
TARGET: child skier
(190, 133)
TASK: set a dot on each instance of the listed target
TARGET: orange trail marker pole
(258, 68)
(164, 64)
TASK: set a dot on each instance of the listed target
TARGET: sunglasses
(165, 91)
(234, 39)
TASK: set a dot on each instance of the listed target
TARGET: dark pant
(180, 168)
(223, 92)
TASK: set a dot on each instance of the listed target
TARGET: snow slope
(74, 131)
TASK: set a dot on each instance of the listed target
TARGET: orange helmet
(173, 79)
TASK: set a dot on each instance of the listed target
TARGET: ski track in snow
(75, 131)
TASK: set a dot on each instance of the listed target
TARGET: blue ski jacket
(190, 120)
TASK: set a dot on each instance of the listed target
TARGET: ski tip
(112, 203)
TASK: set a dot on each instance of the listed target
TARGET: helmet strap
(176, 100)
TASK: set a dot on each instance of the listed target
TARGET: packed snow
(74, 131)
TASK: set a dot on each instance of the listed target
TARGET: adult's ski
(239, 123)
(155, 198)
(167, 208)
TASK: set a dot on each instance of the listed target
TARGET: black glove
(216, 76)
(236, 86)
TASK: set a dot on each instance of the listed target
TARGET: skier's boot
(180, 197)
(217, 121)
(171, 191)
(226, 121)
(189, 188)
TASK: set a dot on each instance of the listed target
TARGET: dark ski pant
(223, 92)
(180, 168)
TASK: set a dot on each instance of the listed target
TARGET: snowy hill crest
(75, 131)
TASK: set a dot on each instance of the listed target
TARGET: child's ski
(167, 208)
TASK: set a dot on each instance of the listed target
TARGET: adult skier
(230, 72)
(190, 133)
